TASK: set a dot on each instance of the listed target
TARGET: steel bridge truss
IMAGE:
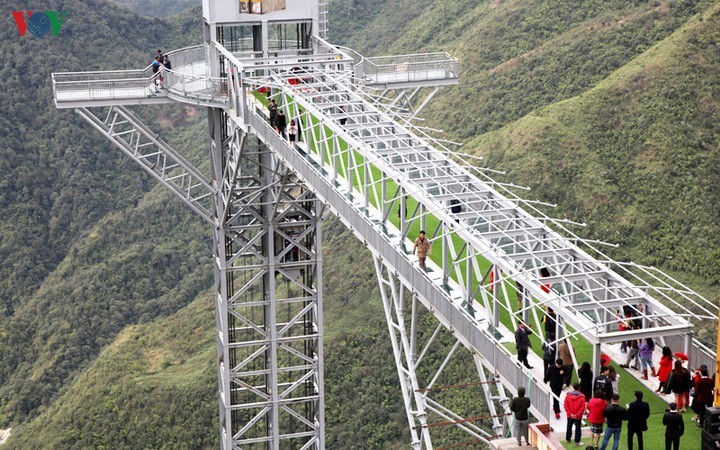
(424, 412)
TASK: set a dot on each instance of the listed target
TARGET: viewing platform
(188, 81)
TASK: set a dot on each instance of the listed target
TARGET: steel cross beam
(156, 157)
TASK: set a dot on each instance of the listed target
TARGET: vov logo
(39, 23)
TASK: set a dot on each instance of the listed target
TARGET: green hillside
(608, 108)
(641, 152)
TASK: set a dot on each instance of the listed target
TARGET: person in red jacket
(596, 406)
(574, 408)
(666, 365)
(703, 394)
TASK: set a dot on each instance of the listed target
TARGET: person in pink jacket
(595, 407)
(574, 408)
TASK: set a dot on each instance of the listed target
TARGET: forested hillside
(608, 108)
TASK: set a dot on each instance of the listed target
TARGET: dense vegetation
(106, 324)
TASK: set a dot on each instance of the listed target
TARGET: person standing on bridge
(272, 110)
(422, 248)
(555, 375)
(519, 406)
(281, 123)
(614, 416)
(574, 408)
(568, 366)
(522, 343)
(292, 132)
(638, 413)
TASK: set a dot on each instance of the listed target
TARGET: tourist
(614, 379)
(574, 408)
(614, 415)
(680, 384)
(555, 375)
(585, 374)
(519, 406)
(596, 407)
(703, 394)
(292, 132)
(646, 353)
(566, 356)
(603, 383)
(638, 413)
(634, 353)
(674, 428)
(422, 248)
(665, 367)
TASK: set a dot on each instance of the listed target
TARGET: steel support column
(268, 303)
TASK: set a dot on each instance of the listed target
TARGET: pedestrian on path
(548, 355)
(519, 406)
(574, 408)
(680, 385)
(703, 394)
(646, 353)
(555, 375)
(603, 383)
(614, 416)
(674, 428)
(422, 248)
(633, 353)
(281, 123)
(585, 374)
(596, 407)
(522, 343)
(566, 356)
(273, 110)
(665, 367)
(638, 413)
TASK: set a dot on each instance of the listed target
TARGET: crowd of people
(159, 64)
(292, 132)
(596, 399)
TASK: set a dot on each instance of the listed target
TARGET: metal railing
(420, 67)
(189, 77)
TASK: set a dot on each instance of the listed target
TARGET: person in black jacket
(614, 415)
(602, 383)
(556, 376)
(522, 343)
(519, 406)
(638, 413)
(674, 427)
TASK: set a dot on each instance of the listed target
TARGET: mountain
(604, 107)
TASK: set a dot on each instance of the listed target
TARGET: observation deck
(190, 81)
